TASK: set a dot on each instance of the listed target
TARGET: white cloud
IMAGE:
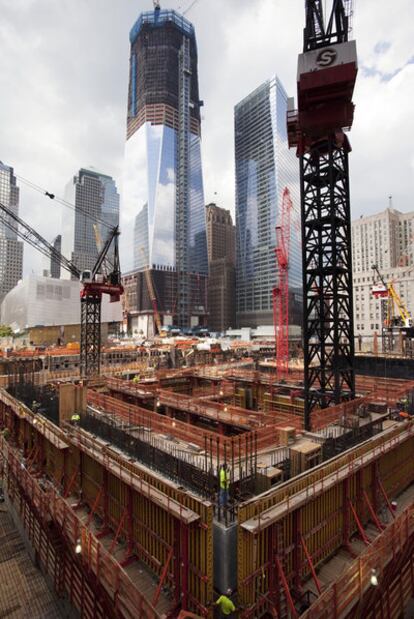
(64, 76)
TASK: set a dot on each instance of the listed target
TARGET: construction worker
(404, 404)
(225, 605)
(75, 419)
(224, 485)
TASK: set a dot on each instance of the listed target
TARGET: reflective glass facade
(96, 202)
(264, 167)
(163, 181)
(11, 249)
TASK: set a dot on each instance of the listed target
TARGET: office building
(163, 199)
(54, 263)
(11, 249)
(386, 240)
(221, 244)
(96, 211)
(264, 167)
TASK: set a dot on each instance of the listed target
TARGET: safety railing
(52, 507)
(344, 593)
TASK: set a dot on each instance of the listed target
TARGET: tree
(5, 331)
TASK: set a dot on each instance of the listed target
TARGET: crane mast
(281, 290)
(152, 295)
(326, 76)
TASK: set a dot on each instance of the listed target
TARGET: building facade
(86, 227)
(54, 263)
(385, 239)
(264, 167)
(11, 249)
(163, 198)
(50, 305)
(221, 244)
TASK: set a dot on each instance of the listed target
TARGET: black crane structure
(325, 109)
(105, 278)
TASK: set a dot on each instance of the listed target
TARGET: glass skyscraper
(11, 249)
(88, 225)
(163, 211)
(264, 167)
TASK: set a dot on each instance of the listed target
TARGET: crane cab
(86, 276)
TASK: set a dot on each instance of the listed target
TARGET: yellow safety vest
(75, 418)
(226, 605)
(224, 482)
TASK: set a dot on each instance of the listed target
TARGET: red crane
(281, 290)
(105, 278)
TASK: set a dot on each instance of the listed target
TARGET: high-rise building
(163, 198)
(11, 249)
(264, 167)
(221, 244)
(385, 239)
(54, 263)
(96, 211)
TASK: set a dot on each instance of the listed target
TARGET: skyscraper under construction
(163, 200)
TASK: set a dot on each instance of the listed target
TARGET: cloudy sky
(64, 75)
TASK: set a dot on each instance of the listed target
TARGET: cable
(63, 202)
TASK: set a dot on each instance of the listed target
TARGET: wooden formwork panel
(319, 517)
(153, 527)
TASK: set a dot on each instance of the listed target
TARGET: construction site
(122, 509)
(148, 481)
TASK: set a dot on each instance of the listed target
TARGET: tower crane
(95, 283)
(281, 290)
(326, 76)
(388, 291)
(152, 296)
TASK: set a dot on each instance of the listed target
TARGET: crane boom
(395, 298)
(29, 234)
(281, 290)
(94, 285)
(152, 296)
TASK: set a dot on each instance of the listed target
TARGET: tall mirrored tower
(162, 199)
(264, 167)
(11, 249)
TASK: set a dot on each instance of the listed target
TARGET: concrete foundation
(225, 556)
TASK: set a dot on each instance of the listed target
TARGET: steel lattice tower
(327, 70)
(90, 347)
(327, 275)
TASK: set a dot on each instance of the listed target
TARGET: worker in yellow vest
(224, 485)
(225, 604)
(75, 419)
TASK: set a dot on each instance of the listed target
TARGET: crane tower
(281, 290)
(327, 71)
